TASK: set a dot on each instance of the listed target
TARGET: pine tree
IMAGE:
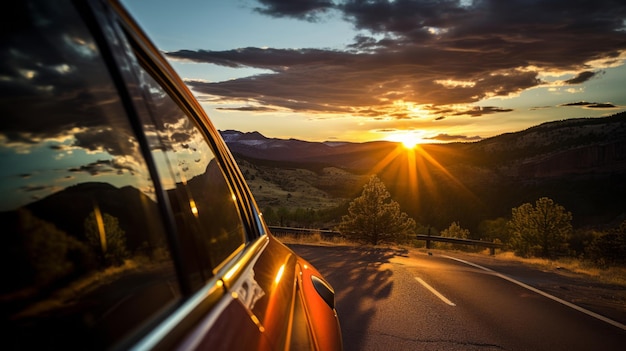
(106, 237)
(374, 218)
(540, 230)
(455, 231)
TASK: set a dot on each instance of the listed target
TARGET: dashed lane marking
(437, 293)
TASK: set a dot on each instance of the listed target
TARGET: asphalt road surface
(389, 300)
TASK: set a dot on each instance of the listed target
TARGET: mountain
(579, 145)
(579, 163)
(355, 156)
(256, 145)
(576, 146)
(67, 210)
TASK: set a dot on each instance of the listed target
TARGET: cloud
(581, 77)
(421, 53)
(103, 166)
(601, 105)
(34, 188)
(69, 107)
(480, 111)
(308, 10)
(448, 137)
(248, 108)
(590, 104)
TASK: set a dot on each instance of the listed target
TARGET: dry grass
(316, 239)
(610, 275)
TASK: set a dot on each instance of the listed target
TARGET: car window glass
(204, 206)
(84, 261)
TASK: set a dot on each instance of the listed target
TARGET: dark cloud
(105, 139)
(95, 168)
(534, 108)
(409, 18)
(590, 104)
(480, 111)
(58, 85)
(33, 188)
(308, 10)
(248, 108)
(448, 137)
(331, 81)
(475, 111)
(578, 103)
(581, 77)
(426, 53)
(103, 166)
(601, 105)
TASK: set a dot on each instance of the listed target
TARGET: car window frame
(167, 330)
(160, 70)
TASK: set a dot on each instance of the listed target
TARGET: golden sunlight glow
(411, 108)
(194, 209)
(232, 271)
(417, 168)
(256, 321)
(450, 83)
(100, 224)
(279, 275)
(409, 140)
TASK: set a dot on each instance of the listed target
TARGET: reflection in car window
(84, 256)
(203, 204)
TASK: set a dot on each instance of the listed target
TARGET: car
(126, 222)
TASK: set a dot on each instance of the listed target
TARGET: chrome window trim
(173, 333)
(170, 327)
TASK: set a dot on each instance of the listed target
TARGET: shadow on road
(360, 280)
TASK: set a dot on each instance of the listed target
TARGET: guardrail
(304, 231)
(428, 238)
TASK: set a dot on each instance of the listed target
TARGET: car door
(128, 223)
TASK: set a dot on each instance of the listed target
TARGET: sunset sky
(348, 70)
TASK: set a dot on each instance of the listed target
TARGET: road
(391, 301)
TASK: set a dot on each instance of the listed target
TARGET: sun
(408, 140)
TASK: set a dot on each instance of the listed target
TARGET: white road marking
(437, 293)
(545, 294)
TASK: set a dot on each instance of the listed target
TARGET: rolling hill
(579, 163)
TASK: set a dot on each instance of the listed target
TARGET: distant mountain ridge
(580, 163)
(574, 146)
(254, 144)
(599, 141)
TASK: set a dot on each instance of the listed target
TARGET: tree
(455, 231)
(494, 230)
(374, 218)
(283, 214)
(540, 230)
(52, 254)
(270, 216)
(609, 248)
(106, 237)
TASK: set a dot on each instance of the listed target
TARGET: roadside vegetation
(614, 275)
(540, 234)
(375, 218)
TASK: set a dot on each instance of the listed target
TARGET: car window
(84, 259)
(205, 208)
